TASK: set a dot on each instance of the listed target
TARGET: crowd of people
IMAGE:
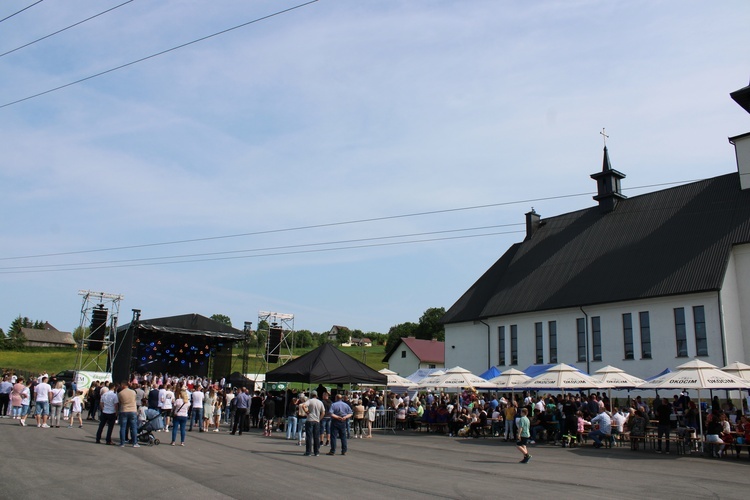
(318, 418)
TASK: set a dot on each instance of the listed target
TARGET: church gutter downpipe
(586, 339)
(721, 329)
(489, 362)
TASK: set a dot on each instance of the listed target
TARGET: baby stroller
(146, 430)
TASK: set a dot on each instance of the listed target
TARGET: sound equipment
(123, 355)
(98, 328)
(274, 344)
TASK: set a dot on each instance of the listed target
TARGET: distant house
(48, 337)
(411, 354)
(335, 331)
(363, 342)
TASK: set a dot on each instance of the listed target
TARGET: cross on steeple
(604, 136)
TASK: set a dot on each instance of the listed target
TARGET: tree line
(427, 327)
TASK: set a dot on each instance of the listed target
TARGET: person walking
(108, 403)
(241, 404)
(314, 410)
(181, 408)
(56, 404)
(128, 414)
(16, 397)
(340, 415)
(196, 408)
(523, 435)
(42, 396)
(76, 407)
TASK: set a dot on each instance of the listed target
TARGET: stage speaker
(274, 344)
(98, 328)
(222, 364)
(123, 357)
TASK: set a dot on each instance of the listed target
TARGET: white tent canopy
(510, 379)
(616, 378)
(563, 377)
(740, 370)
(395, 380)
(697, 374)
(457, 378)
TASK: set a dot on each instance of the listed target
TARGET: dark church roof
(668, 242)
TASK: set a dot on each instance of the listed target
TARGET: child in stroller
(146, 430)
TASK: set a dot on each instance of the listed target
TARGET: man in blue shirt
(242, 400)
(340, 414)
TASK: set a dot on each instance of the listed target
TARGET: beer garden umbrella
(510, 379)
(697, 374)
(563, 377)
(616, 378)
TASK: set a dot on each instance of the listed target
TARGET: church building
(642, 283)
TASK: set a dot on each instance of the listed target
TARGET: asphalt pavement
(66, 463)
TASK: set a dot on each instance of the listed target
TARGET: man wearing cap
(340, 414)
(314, 410)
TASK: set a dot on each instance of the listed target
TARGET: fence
(385, 420)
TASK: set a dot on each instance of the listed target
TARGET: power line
(157, 54)
(16, 13)
(64, 29)
(316, 250)
(330, 224)
(264, 249)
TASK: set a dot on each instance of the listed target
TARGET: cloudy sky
(348, 162)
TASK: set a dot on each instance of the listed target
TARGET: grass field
(53, 360)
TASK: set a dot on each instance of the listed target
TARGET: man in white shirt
(602, 426)
(109, 404)
(42, 395)
(196, 408)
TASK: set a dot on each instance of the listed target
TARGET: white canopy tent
(698, 375)
(564, 377)
(616, 378)
(456, 378)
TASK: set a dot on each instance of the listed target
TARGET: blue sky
(334, 112)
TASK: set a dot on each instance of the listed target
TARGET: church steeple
(608, 182)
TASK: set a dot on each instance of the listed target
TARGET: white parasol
(616, 378)
(563, 377)
(510, 379)
(697, 375)
(458, 378)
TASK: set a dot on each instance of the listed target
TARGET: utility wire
(157, 54)
(316, 250)
(66, 28)
(330, 224)
(265, 249)
(16, 13)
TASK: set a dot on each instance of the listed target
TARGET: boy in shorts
(523, 435)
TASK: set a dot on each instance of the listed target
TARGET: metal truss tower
(95, 351)
(273, 320)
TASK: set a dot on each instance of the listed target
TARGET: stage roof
(188, 324)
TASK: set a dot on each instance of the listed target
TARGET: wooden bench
(441, 427)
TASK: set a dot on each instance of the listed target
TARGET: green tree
(261, 333)
(303, 338)
(80, 333)
(222, 318)
(343, 335)
(15, 339)
(322, 339)
(430, 326)
(398, 331)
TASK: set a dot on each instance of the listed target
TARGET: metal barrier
(385, 420)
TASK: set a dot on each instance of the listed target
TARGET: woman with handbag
(180, 415)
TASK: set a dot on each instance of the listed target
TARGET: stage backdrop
(178, 345)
